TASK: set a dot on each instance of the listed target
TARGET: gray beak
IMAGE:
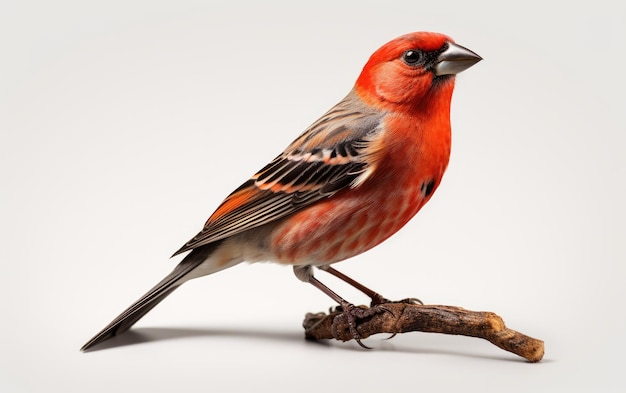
(455, 59)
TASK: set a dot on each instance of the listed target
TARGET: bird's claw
(351, 313)
(382, 300)
(410, 300)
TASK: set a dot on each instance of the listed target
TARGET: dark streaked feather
(329, 156)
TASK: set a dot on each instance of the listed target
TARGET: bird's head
(413, 67)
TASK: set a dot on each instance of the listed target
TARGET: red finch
(351, 180)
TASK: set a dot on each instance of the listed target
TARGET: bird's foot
(376, 300)
(351, 313)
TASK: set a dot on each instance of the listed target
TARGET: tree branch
(404, 317)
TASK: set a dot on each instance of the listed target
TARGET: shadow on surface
(446, 348)
(147, 334)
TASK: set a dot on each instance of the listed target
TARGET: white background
(125, 123)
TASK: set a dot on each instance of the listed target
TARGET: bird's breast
(357, 219)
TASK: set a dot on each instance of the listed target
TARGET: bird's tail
(141, 307)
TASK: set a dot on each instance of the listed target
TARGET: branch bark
(404, 317)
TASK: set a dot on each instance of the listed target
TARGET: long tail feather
(153, 297)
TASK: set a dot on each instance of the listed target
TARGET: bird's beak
(455, 59)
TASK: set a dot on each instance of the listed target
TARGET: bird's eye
(412, 56)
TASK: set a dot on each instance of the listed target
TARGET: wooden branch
(404, 317)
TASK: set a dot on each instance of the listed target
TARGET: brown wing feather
(330, 155)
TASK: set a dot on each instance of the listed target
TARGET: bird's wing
(338, 151)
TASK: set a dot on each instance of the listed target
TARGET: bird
(347, 183)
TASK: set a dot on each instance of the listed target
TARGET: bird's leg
(375, 296)
(350, 311)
